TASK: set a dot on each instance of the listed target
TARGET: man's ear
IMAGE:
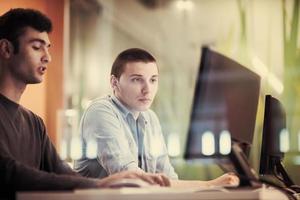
(6, 48)
(114, 82)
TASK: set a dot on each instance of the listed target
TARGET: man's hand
(228, 179)
(159, 179)
(153, 179)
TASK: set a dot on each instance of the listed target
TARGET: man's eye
(36, 47)
(136, 79)
(153, 80)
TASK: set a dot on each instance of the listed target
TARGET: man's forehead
(30, 34)
(141, 67)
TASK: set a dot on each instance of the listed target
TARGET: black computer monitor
(225, 99)
(271, 156)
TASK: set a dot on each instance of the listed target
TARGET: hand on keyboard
(128, 182)
(152, 179)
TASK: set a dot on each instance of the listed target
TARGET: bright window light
(156, 146)
(76, 148)
(173, 144)
(225, 142)
(91, 149)
(63, 149)
(284, 141)
(184, 5)
(260, 68)
(276, 83)
(208, 143)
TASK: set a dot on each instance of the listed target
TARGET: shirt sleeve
(163, 164)
(16, 176)
(101, 123)
(53, 174)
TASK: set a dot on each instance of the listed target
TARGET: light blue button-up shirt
(120, 140)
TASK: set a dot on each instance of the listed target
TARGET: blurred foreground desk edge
(160, 194)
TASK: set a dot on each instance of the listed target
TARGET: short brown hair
(130, 55)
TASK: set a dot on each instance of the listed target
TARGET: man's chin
(35, 81)
(143, 108)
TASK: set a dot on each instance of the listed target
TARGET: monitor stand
(280, 178)
(281, 174)
(242, 167)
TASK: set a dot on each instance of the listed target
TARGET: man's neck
(11, 89)
(134, 113)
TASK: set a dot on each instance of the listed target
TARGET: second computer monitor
(273, 145)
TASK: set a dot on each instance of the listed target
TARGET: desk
(155, 194)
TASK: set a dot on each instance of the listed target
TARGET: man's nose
(47, 57)
(146, 88)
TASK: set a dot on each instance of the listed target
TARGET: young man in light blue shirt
(127, 133)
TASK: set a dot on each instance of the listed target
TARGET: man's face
(30, 63)
(137, 85)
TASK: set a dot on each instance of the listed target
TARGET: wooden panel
(54, 81)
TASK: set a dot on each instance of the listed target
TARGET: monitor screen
(225, 101)
(274, 131)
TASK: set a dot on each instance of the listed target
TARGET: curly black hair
(14, 22)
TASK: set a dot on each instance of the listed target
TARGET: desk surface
(156, 194)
